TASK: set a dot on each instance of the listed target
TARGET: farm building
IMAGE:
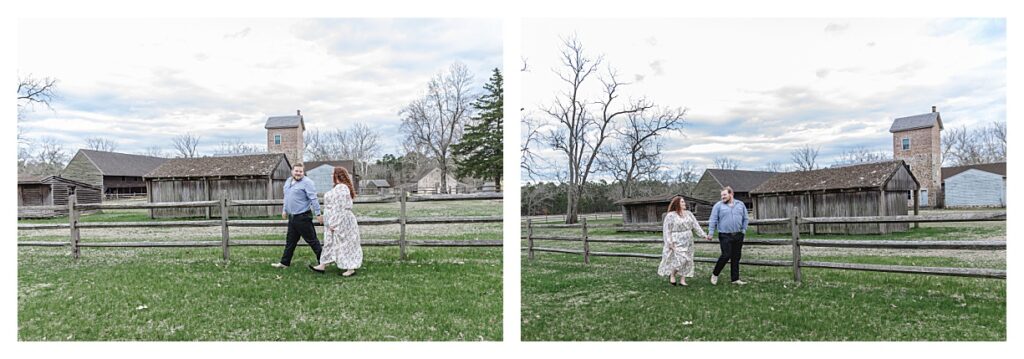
(710, 185)
(430, 182)
(917, 140)
(114, 173)
(321, 171)
(872, 189)
(211, 178)
(650, 210)
(52, 191)
(375, 187)
(285, 135)
(982, 185)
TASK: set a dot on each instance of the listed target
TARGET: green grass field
(624, 299)
(191, 294)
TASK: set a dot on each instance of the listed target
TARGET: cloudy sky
(142, 82)
(758, 88)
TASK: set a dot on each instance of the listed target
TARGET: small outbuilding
(872, 189)
(114, 173)
(378, 187)
(982, 185)
(430, 182)
(709, 187)
(247, 177)
(651, 210)
(321, 171)
(52, 191)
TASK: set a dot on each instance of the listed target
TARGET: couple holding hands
(728, 218)
(341, 237)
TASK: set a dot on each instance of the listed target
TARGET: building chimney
(933, 109)
(299, 112)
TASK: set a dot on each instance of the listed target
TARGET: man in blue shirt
(300, 205)
(729, 219)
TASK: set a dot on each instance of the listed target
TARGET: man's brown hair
(727, 189)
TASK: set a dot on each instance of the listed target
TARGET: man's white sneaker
(278, 265)
(738, 282)
(714, 280)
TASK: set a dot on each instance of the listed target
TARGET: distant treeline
(551, 198)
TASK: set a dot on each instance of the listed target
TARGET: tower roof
(926, 120)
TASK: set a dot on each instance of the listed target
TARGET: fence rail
(797, 263)
(74, 224)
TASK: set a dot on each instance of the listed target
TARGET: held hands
(320, 219)
(708, 237)
(284, 215)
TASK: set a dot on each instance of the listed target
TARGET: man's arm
(713, 221)
(745, 219)
(311, 194)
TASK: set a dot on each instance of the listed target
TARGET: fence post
(586, 243)
(73, 224)
(794, 222)
(529, 238)
(224, 227)
(401, 225)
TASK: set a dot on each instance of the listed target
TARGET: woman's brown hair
(676, 205)
(341, 176)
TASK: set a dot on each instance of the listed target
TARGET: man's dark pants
(300, 225)
(732, 248)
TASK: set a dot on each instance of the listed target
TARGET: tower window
(906, 143)
(277, 139)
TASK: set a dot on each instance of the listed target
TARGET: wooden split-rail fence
(797, 262)
(75, 209)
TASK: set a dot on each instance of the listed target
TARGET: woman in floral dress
(341, 237)
(677, 231)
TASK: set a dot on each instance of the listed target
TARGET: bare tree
(861, 155)
(154, 151)
(235, 146)
(51, 156)
(35, 91)
(363, 144)
(583, 126)
(537, 197)
(530, 132)
(962, 146)
(185, 145)
(636, 154)
(805, 157)
(100, 144)
(775, 166)
(726, 163)
(436, 121)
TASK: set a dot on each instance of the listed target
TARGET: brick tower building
(917, 141)
(284, 135)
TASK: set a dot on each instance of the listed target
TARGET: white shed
(320, 172)
(430, 182)
(975, 186)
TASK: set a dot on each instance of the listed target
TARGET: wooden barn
(375, 187)
(430, 182)
(321, 171)
(872, 189)
(981, 185)
(651, 210)
(114, 173)
(709, 187)
(246, 177)
(52, 191)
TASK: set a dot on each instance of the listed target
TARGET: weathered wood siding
(707, 188)
(239, 189)
(833, 204)
(53, 192)
(81, 169)
(123, 184)
(178, 190)
(975, 188)
(431, 183)
(655, 212)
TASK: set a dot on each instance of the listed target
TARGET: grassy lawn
(623, 298)
(190, 294)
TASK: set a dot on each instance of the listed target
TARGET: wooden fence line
(797, 262)
(74, 225)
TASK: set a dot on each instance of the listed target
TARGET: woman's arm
(696, 225)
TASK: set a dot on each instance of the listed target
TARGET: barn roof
(850, 177)
(348, 164)
(36, 179)
(998, 168)
(924, 120)
(739, 180)
(122, 164)
(245, 165)
(284, 122)
(662, 198)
